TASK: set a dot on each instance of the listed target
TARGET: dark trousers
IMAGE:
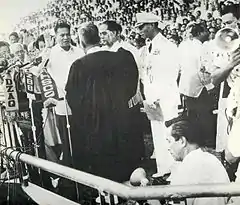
(201, 110)
(63, 131)
(66, 187)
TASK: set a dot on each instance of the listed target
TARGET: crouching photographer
(196, 165)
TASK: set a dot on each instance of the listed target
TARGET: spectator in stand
(5, 56)
(19, 53)
(40, 43)
(14, 38)
(212, 33)
(27, 37)
(5, 50)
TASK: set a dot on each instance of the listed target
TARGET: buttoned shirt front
(60, 62)
(159, 75)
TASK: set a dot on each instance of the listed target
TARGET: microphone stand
(70, 143)
(30, 98)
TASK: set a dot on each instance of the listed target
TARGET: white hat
(145, 17)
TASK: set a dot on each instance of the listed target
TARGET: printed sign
(29, 82)
(48, 86)
(11, 98)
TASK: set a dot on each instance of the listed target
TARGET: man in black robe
(107, 137)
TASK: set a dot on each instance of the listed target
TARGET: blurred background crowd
(175, 16)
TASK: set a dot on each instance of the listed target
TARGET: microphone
(138, 177)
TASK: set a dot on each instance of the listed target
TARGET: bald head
(17, 50)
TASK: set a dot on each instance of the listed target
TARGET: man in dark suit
(107, 137)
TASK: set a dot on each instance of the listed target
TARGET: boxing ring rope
(124, 191)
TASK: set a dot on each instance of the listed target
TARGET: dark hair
(23, 30)
(40, 38)
(73, 43)
(61, 24)
(192, 18)
(197, 30)
(113, 26)
(190, 129)
(4, 43)
(90, 34)
(14, 34)
(233, 8)
(175, 38)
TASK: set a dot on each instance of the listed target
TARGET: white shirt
(200, 167)
(192, 80)
(159, 75)
(60, 62)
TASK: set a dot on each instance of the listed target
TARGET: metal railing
(124, 191)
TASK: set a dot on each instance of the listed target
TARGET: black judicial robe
(107, 134)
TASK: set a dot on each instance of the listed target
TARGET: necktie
(150, 48)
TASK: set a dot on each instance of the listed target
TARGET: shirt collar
(93, 49)
(158, 37)
(62, 50)
(116, 46)
(197, 41)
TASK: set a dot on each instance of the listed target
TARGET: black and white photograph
(119, 102)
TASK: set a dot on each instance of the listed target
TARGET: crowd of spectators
(175, 15)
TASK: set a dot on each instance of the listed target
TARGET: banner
(29, 83)
(47, 86)
(11, 97)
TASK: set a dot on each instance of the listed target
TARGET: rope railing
(124, 191)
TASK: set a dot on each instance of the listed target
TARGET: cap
(145, 17)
